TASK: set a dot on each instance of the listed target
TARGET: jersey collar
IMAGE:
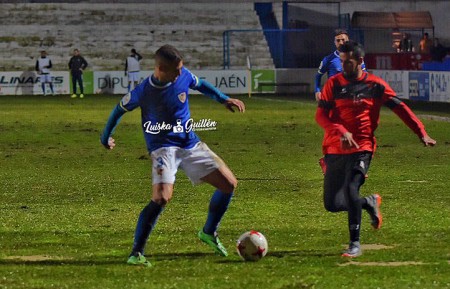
(154, 82)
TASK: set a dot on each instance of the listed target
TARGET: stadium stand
(105, 33)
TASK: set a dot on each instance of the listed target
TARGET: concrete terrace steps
(105, 33)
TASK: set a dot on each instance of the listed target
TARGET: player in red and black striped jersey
(349, 112)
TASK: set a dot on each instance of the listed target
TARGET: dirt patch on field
(35, 258)
(370, 247)
(434, 117)
(382, 264)
(375, 247)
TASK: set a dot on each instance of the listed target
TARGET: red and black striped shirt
(354, 106)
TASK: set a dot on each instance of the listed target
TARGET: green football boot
(214, 242)
(139, 260)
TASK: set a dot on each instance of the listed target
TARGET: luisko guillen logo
(190, 125)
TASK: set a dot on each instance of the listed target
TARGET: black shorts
(357, 161)
(340, 171)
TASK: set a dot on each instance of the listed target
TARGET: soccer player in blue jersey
(164, 103)
(330, 64)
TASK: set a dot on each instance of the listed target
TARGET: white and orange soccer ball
(252, 246)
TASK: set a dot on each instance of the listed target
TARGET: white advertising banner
(397, 79)
(227, 81)
(439, 86)
(28, 83)
(113, 82)
(418, 85)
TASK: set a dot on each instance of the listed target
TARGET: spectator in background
(425, 44)
(43, 65)
(437, 51)
(132, 68)
(406, 44)
(76, 65)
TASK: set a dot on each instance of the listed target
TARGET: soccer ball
(252, 246)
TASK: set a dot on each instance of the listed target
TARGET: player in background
(331, 64)
(43, 65)
(349, 112)
(164, 104)
(132, 68)
(76, 65)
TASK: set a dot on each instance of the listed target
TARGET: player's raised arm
(411, 120)
(113, 120)
(208, 89)
(406, 115)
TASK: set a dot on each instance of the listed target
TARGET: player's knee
(330, 206)
(230, 186)
(162, 201)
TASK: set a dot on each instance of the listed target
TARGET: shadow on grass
(259, 179)
(105, 260)
(301, 253)
(61, 262)
(284, 254)
(119, 260)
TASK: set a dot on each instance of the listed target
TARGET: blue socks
(146, 223)
(149, 216)
(217, 208)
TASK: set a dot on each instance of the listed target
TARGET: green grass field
(69, 207)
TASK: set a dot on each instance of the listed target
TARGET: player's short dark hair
(354, 47)
(340, 31)
(169, 54)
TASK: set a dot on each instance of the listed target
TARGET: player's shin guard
(354, 221)
(217, 208)
(146, 223)
(354, 230)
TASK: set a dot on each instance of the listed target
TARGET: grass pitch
(69, 207)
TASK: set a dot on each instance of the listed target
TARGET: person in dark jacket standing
(76, 65)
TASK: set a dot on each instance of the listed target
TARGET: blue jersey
(164, 111)
(330, 64)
